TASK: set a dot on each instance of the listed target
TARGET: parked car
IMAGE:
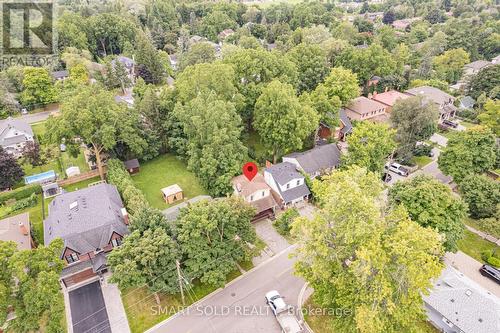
(24, 111)
(386, 177)
(450, 123)
(286, 318)
(397, 169)
(491, 272)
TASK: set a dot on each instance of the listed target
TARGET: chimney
(23, 229)
(369, 95)
(386, 89)
(268, 164)
(125, 216)
(375, 93)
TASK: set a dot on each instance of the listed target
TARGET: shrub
(422, 150)
(133, 197)
(284, 223)
(20, 193)
(493, 262)
(26, 202)
(490, 225)
(482, 194)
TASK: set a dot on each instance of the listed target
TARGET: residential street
(243, 299)
(36, 117)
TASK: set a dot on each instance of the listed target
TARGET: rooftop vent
(73, 205)
(468, 292)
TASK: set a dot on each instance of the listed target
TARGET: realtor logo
(28, 32)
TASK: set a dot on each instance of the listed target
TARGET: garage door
(88, 311)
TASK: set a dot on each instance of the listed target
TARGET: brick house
(91, 222)
(389, 98)
(362, 108)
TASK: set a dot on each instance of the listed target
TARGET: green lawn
(473, 245)
(252, 142)
(324, 323)
(421, 161)
(142, 309)
(467, 124)
(164, 171)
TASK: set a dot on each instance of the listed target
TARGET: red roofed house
(389, 98)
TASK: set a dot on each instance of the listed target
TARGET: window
(298, 182)
(263, 193)
(116, 242)
(287, 186)
(251, 198)
(73, 257)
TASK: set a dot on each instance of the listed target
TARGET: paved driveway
(470, 268)
(88, 312)
(439, 139)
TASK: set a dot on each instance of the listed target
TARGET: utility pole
(179, 277)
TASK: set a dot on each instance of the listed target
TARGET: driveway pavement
(88, 311)
(439, 139)
(470, 268)
(240, 307)
(275, 243)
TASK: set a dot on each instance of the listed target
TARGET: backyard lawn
(421, 161)
(473, 245)
(164, 171)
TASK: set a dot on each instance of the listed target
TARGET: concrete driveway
(470, 268)
(275, 243)
(439, 139)
(88, 311)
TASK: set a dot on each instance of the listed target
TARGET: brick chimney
(268, 164)
(23, 229)
(125, 216)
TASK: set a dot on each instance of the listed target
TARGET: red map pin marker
(250, 170)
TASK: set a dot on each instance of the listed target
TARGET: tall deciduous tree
(450, 64)
(197, 54)
(213, 236)
(281, 121)
(482, 194)
(354, 246)
(36, 297)
(370, 144)
(37, 87)
(311, 65)
(214, 150)
(414, 121)
(487, 81)
(254, 68)
(341, 83)
(93, 116)
(491, 115)
(469, 152)
(432, 205)
(10, 171)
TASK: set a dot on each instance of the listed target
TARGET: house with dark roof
(475, 67)
(14, 133)
(257, 193)
(458, 304)
(317, 161)
(287, 184)
(434, 95)
(60, 75)
(91, 222)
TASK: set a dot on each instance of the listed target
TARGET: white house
(14, 134)
(287, 183)
(458, 304)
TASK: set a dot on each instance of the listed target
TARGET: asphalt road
(88, 311)
(240, 307)
(32, 118)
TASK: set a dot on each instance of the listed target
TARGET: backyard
(164, 171)
(473, 245)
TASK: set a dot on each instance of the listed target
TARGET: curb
(300, 302)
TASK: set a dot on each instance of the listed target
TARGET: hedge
(133, 197)
(20, 193)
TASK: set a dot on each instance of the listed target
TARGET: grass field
(164, 171)
(473, 245)
(421, 161)
(324, 323)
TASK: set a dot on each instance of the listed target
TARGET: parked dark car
(450, 123)
(387, 177)
(491, 272)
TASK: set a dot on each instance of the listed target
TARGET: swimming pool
(40, 178)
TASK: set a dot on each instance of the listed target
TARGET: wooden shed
(172, 193)
(132, 166)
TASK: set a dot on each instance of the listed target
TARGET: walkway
(275, 243)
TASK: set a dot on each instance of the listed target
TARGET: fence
(80, 177)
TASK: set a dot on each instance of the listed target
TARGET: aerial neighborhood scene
(244, 166)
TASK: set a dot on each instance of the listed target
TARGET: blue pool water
(40, 177)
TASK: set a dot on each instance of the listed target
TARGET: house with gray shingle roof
(434, 95)
(14, 133)
(458, 304)
(316, 161)
(91, 222)
(287, 184)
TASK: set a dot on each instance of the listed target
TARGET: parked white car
(398, 169)
(283, 313)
